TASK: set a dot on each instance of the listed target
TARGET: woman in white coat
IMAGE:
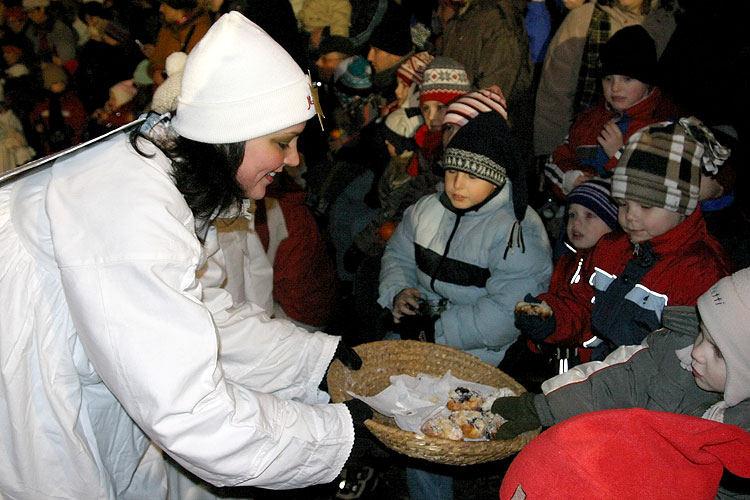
(107, 339)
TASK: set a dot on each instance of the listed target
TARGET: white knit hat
(239, 84)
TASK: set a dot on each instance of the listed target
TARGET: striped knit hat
(594, 195)
(661, 164)
(470, 105)
(412, 71)
(444, 80)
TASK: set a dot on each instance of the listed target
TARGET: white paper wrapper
(413, 400)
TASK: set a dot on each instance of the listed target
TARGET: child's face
(402, 91)
(465, 190)
(584, 227)
(643, 223)
(391, 149)
(622, 92)
(449, 130)
(433, 113)
(709, 366)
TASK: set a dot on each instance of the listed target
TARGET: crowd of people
(554, 186)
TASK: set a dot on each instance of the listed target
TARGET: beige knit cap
(239, 84)
(165, 96)
(725, 310)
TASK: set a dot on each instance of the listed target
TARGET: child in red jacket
(591, 215)
(665, 255)
(631, 101)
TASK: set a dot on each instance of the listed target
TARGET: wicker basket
(382, 359)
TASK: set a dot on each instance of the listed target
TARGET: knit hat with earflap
(485, 148)
(629, 52)
(470, 105)
(661, 164)
(725, 310)
(444, 80)
(412, 71)
(165, 96)
(625, 454)
(594, 195)
(400, 126)
(239, 84)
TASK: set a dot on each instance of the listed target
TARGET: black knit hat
(486, 148)
(629, 52)
(393, 34)
(335, 43)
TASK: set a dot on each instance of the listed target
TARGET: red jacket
(569, 275)
(580, 151)
(672, 269)
(304, 276)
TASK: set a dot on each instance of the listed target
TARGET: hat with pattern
(486, 148)
(470, 105)
(412, 71)
(444, 80)
(661, 164)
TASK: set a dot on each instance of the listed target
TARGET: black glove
(360, 411)
(417, 327)
(537, 328)
(520, 413)
(347, 356)
(353, 257)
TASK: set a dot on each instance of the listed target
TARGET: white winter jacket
(107, 339)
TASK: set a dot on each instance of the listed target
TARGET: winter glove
(347, 356)
(520, 413)
(537, 328)
(353, 257)
(417, 327)
(360, 411)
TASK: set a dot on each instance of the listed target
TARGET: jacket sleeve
(489, 323)
(572, 307)
(398, 268)
(191, 370)
(620, 381)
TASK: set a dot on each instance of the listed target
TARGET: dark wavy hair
(205, 174)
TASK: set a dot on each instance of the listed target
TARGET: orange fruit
(386, 230)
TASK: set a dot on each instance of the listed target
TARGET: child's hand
(405, 303)
(610, 138)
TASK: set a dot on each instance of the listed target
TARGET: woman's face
(266, 156)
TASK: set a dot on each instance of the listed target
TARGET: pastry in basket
(442, 427)
(462, 398)
(494, 422)
(540, 309)
(472, 423)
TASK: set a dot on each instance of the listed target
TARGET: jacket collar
(643, 109)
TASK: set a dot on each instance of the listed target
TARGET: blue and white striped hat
(594, 195)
